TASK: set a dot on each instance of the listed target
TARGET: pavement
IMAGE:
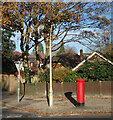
(37, 106)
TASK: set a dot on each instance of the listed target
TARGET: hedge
(92, 71)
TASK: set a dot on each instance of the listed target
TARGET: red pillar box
(80, 91)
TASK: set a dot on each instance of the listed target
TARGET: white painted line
(52, 115)
(74, 114)
(60, 115)
(17, 116)
(85, 110)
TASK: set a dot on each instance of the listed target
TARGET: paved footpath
(37, 106)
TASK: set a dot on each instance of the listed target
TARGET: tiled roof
(67, 59)
(16, 55)
(87, 54)
(94, 53)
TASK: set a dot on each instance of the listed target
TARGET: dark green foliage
(92, 71)
(8, 66)
(27, 74)
(71, 77)
(44, 76)
(62, 50)
(8, 45)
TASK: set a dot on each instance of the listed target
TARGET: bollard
(80, 91)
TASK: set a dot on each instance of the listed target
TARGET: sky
(75, 45)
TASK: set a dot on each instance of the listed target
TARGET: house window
(31, 64)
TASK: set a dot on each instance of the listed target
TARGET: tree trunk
(47, 55)
(25, 58)
(37, 59)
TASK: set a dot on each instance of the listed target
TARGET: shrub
(8, 66)
(57, 75)
(44, 76)
(60, 74)
(92, 71)
(72, 77)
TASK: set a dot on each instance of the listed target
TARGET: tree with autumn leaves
(34, 19)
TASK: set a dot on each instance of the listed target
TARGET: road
(8, 113)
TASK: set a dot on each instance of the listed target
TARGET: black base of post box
(80, 104)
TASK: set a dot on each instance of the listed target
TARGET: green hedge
(92, 71)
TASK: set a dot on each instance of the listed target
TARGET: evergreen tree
(61, 50)
(8, 46)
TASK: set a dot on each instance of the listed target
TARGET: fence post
(100, 87)
(62, 89)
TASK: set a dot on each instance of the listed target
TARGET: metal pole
(19, 83)
(51, 89)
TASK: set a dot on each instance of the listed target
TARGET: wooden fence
(91, 89)
(101, 88)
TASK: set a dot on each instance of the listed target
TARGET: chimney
(81, 54)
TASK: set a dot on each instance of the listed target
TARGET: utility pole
(51, 89)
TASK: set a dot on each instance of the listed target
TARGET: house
(66, 60)
(16, 55)
(87, 54)
(31, 61)
(95, 56)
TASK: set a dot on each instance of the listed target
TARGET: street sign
(18, 65)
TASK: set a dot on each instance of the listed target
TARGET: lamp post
(18, 66)
(51, 89)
